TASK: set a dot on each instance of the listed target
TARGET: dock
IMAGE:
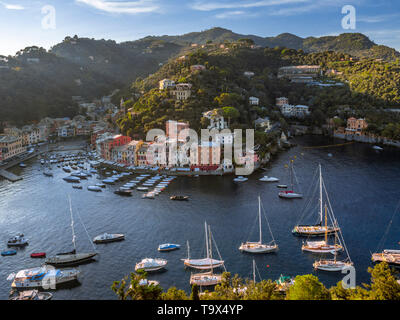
(9, 176)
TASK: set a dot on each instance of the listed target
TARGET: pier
(9, 176)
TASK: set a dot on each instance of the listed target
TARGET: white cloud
(209, 6)
(12, 6)
(229, 14)
(129, 7)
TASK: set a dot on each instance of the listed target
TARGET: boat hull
(332, 266)
(313, 231)
(258, 248)
(115, 239)
(199, 265)
(70, 259)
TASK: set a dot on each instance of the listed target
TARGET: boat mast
(254, 271)
(72, 223)
(320, 193)
(209, 235)
(259, 217)
(188, 249)
(291, 174)
(207, 249)
(326, 224)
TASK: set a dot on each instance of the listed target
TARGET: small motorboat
(32, 295)
(9, 253)
(66, 169)
(107, 237)
(240, 179)
(77, 186)
(38, 255)
(142, 189)
(282, 186)
(17, 241)
(48, 173)
(378, 148)
(179, 198)
(101, 185)
(150, 264)
(290, 194)
(22, 165)
(123, 192)
(269, 179)
(94, 188)
(72, 179)
(168, 247)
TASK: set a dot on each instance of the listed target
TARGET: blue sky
(122, 20)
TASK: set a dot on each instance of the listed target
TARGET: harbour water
(363, 186)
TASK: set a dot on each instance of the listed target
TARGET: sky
(47, 22)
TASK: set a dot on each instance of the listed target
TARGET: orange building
(356, 126)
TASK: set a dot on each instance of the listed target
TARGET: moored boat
(9, 253)
(38, 255)
(107, 237)
(179, 198)
(240, 179)
(94, 188)
(17, 241)
(123, 192)
(317, 229)
(150, 264)
(168, 247)
(206, 263)
(290, 194)
(259, 247)
(42, 277)
(269, 179)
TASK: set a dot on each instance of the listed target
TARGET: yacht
(259, 247)
(149, 264)
(123, 192)
(71, 258)
(206, 263)
(107, 237)
(17, 241)
(42, 277)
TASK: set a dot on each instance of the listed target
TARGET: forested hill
(355, 44)
(36, 83)
(367, 87)
(123, 62)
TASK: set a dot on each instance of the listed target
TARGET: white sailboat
(208, 278)
(290, 194)
(317, 229)
(259, 247)
(323, 246)
(70, 258)
(205, 263)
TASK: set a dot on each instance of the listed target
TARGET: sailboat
(290, 194)
(70, 258)
(205, 263)
(318, 229)
(390, 256)
(259, 247)
(323, 246)
(208, 278)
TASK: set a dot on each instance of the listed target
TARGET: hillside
(35, 84)
(355, 44)
(122, 62)
(368, 86)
